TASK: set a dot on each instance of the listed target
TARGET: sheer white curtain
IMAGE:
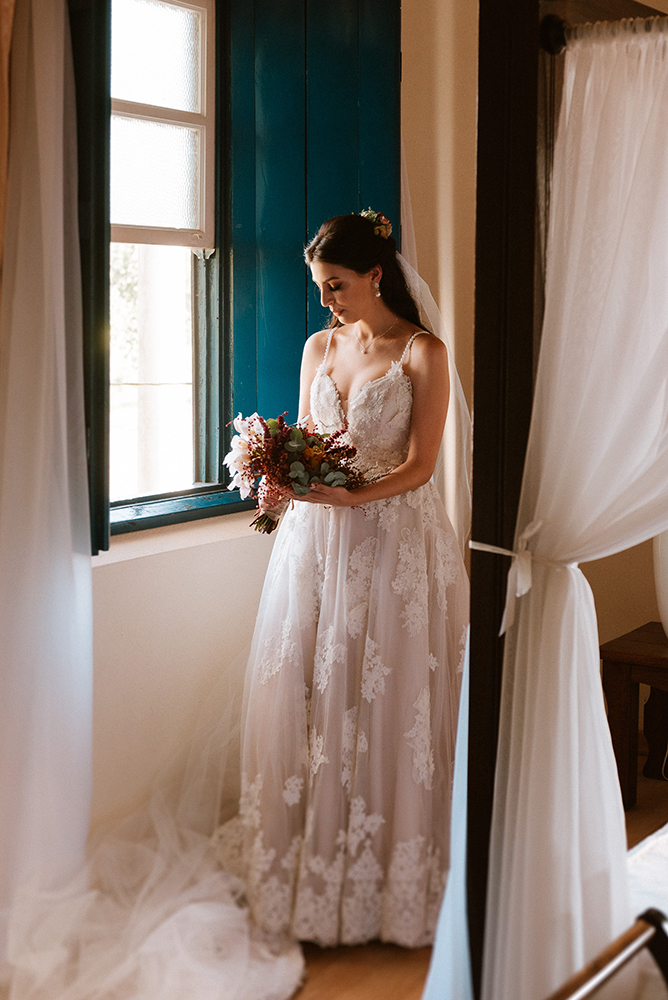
(595, 482)
(45, 580)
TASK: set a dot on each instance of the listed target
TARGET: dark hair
(349, 240)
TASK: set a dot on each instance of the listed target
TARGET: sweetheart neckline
(372, 381)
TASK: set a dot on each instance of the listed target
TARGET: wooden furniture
(638, 657)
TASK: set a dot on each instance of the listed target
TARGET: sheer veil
(155, 915)
(452, 474)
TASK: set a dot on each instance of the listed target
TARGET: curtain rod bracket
(552, 34)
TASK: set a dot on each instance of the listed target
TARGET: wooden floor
(385, 971)
(369, 972)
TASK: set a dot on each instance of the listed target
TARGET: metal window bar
(647, 932)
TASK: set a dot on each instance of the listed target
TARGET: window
(210, 300)
(162, 208)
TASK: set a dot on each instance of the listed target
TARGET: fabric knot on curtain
(520, 574)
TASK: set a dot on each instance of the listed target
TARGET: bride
(354, 673)
(340, 831)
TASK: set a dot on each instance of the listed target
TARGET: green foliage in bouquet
(287, 459)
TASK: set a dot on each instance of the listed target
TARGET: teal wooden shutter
(314, 131)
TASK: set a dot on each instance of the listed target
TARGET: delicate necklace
(373, 340)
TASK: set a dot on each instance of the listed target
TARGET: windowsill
(187, 534)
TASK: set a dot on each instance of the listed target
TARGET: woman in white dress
(351, 703)
(355, 667)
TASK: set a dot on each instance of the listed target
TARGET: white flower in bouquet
(286, 460)
(238, 459)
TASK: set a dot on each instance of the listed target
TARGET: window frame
(255, 308)
(204, 120)
(197, 502)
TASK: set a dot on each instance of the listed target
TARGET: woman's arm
(314, 351)
(428, 371)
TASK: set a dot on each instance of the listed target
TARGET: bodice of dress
(379, 415)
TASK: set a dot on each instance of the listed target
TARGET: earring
(376, 285)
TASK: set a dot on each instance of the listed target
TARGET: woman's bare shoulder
(316, 345)
(427, 347)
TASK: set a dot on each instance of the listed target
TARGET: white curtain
(45, 577)
(595, 482)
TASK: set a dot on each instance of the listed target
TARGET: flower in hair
(381, 224)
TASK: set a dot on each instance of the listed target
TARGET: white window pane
(151, 370)
(155, 174)
(156, 54)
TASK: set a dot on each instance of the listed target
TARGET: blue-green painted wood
(241, 348)
(332, 140)
(379, 117)
(280, 181)
(157, 511)
(325, 142)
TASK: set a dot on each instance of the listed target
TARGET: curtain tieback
(520, 572)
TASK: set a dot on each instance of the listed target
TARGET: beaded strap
(329, 340)
(408, 346)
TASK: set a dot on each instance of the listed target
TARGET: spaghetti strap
(406, 348)
(329, 340)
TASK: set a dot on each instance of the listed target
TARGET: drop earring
(376, 285)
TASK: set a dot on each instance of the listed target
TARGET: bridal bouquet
(285, 457)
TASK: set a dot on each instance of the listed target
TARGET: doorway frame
(503, 388)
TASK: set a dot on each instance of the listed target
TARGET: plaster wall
(173, 608)
(439, 121)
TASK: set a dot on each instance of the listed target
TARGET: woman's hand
(268, 505)
(330, 496)
(272, 500)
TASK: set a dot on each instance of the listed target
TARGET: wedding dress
(351, 703)
(341, 829)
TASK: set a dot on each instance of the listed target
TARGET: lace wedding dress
(347, 740)
(351, 703)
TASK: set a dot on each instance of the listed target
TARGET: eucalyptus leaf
(300, 490)
(335, 478)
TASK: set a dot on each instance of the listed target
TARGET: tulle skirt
(339, 830)
(350, 723)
